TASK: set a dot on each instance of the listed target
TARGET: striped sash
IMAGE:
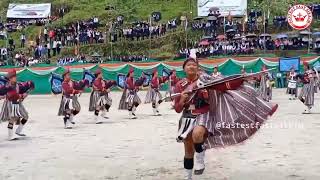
(186, 125)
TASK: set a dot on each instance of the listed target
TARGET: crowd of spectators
(129, 58)
(142, 30)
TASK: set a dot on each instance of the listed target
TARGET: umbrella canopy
(95, 54)
(305, 32)
(251, 36)
(316, 34)
(214, 9)
(207, 38)
(265, 35)
(237, 38)
(204, 43)
(280, 36)
(306, 39)
(198, 18)
(212, 18)
(221, 36)
(293, 35)
(230, 30)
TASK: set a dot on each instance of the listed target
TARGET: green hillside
(134, 10)
(131, 9)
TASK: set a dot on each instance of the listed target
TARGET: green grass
(131, 9)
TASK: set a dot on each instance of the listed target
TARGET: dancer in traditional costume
(292, 84)
(131, 99)
(306, 95)
(210, 113)
(173, 79)
(70, 106)
(3, 94)
(315, 80)
(100, 100)
(153, 95)
(13, 109)
(265, 88)
(216, 72)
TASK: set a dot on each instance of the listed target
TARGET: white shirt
(54, 44)
(216, 74)
(4, 51)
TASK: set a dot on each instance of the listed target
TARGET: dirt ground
(287, 147)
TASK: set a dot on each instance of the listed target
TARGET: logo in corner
(300, 17)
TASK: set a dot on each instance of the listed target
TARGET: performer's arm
(203, 94)
(179, 101)
(164, 79)
(95, 85)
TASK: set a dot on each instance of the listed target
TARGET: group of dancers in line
(217, 110)
(100, 102)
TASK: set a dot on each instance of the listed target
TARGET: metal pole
(264, 30)
(186, 31)
(224, 25)
(150, 25)
(309, 40)
(111, 34)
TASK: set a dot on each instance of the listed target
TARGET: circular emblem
(299, 17)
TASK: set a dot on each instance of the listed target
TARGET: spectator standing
(4, 53)
(54, 47)
(51, 35)
(59, 45)
(45, 32)
(49, 49)
(12, 44)
(23, 40)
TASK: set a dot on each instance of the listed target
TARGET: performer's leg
(131, 114)
(154, 108)
(74, 113)
(188, 157)
(107, 107)
(20, 127)
(96, 116)
(198, 137)
(10, 130)
(66, 120)
(134, 108)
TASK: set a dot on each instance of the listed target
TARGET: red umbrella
(204, 43)
(221, 36)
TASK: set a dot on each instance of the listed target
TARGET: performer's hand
(204, 93)
(108, 90)
(184, 96)
(22, 96)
